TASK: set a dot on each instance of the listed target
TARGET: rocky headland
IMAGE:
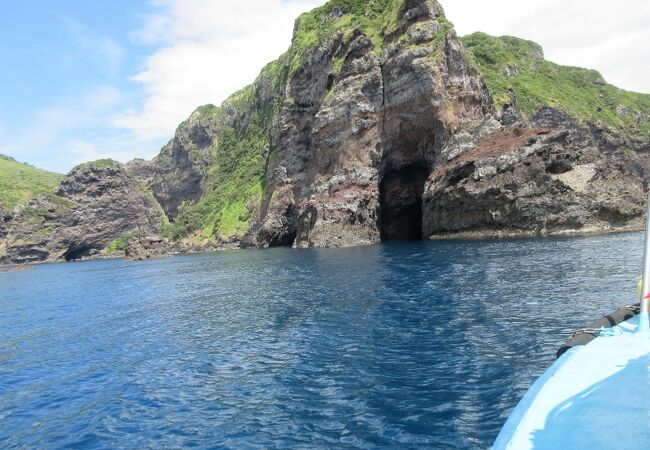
(378, 123)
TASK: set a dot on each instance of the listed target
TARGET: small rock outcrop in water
(141, 247)
(378, 123)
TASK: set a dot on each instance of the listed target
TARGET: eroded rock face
(532, 182)
(92, 206)
(356, 147)
(176, 175)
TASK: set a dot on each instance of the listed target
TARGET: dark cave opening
(400, 192)
(283, 239)
(75, 253)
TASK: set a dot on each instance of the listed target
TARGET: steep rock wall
(357, 144)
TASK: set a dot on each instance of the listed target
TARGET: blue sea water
(400, 345)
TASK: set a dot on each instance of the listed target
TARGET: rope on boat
(598, 332)
(606, 326)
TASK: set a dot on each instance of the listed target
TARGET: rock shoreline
(481, 235)
(467, 235)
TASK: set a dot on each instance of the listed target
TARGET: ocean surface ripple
(410, 345)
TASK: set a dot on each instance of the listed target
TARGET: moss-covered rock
(516, 71)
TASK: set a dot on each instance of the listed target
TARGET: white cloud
(154, 30)
(92, 106)
(209, 51)
(611, 38)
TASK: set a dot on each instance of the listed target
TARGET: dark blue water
(402, 345)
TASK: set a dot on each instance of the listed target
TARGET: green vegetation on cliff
(156, 209)
(99, 163)
(509, 63)
(119, 244)
(19, 182)
(202, 112)
(234, 183)
(374, 18)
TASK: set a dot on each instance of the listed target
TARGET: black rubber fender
(610, 320)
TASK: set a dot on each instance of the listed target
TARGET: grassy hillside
(512, 63)
(21, 182)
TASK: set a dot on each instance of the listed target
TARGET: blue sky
(83, 79)
(67, 68)
(59, 49)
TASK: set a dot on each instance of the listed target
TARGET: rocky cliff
(93, 205)
(378, 123)
(390, 131)
(362, 124)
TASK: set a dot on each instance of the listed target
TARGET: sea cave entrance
(75, 253)
(400, 193)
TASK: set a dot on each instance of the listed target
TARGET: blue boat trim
(594, 396)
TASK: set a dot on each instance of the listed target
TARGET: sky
(84, 80)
